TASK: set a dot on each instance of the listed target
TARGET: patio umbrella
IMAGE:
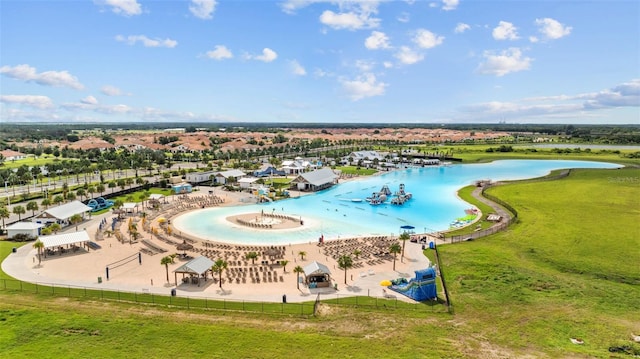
(386, 283)
(162, 220)
(184, 246)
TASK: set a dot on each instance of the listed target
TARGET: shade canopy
(58, 240)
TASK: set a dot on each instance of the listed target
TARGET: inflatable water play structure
(99, 203)
(420, 288)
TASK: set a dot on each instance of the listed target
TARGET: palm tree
(395, 249)
(297, 270)
(33, 207)
(57, 199)
(403, 237)
(357, 253)
(219, 266)
(46, 203)
(302, 254)
(284, 263)
(253, 256)
(345, 262)
(4, 213)
(75, 219)
(165, 261)
(55, 227)
(100, 188)
(19, 210)
(39, 246)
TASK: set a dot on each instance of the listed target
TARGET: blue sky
(306, 61)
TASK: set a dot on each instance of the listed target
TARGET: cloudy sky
(373, 61)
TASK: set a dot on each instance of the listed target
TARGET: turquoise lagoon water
(336, 212)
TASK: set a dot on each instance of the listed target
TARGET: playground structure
(99, 203)
(401, 196)
(420, 288)
(380, 197)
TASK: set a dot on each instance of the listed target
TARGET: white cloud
(403, 17)
(507, 61)
(352, 14)
(89, 100)
(147, 42)
(122, 7)
(41, 102)
(220, 52)
(268, 55)
(364, 66)
(624, 95)
(407, 56)
(533, 39)
(505, 31)
(348, 20)
(448, 5)
(203, 9)
(296, 68)
(377, 40)
(552, 29)
(111, 90)
(558, 107)
(461, 27)
(426, 39)
(48, 78)
(387, 64)
(365, 85)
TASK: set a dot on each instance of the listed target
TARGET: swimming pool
(342, 211)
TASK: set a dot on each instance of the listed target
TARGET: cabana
(60, 241)
(317, 275)
(195, 268)
(129, 207)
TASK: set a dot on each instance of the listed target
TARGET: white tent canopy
(58, 240)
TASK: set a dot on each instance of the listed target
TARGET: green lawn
(353, 170)
(569, 268)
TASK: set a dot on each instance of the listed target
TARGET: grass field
(568, 269)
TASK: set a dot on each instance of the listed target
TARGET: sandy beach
(83, 268)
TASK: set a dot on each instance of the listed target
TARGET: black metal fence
(193, 302)
(187, 302)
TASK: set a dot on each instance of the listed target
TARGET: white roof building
(316, 180)
(63, 212)
(27, 228)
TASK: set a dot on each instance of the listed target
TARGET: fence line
(187, 302)
(194, 302)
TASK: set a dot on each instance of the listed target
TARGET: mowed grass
(568, 269)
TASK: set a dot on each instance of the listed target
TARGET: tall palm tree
(302, 254)
(253, 256)
(404, 237)
(4, 213)
(75, 219)
(297, 270)
(39, 246)
(19, 210)
(33, 207)
(395, 249)
(345, 262)
(284, 263)
(46, 203)
(165, 261)
(219, 266)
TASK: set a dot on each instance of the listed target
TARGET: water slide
(421, 288)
